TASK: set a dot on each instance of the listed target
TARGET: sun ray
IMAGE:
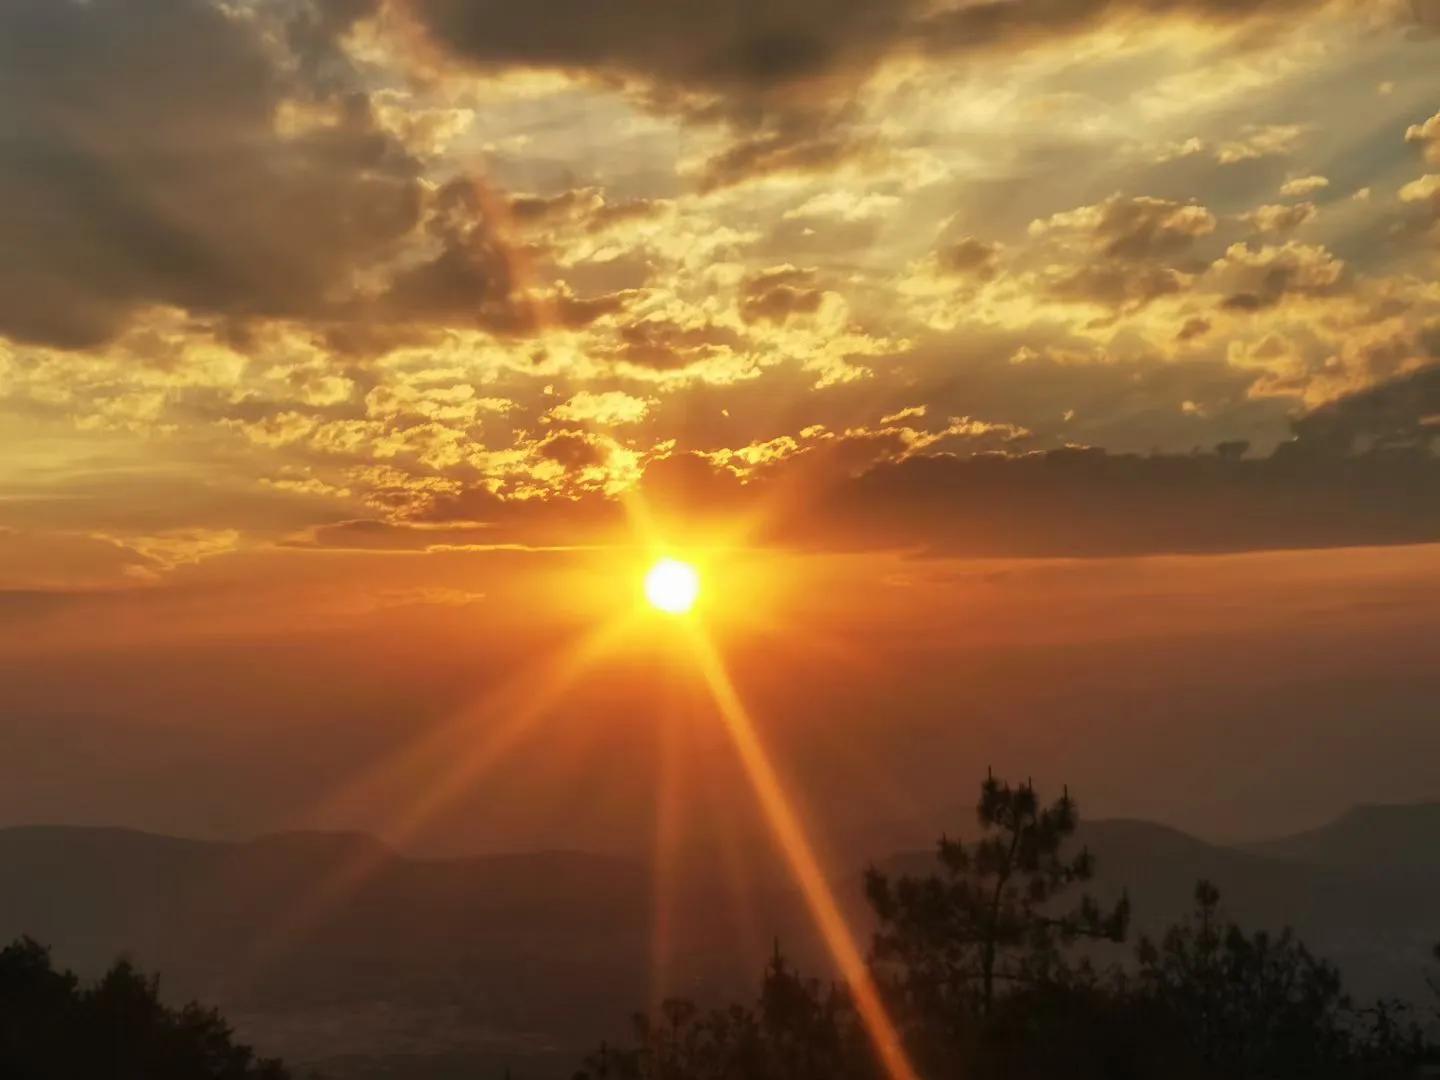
(668, 794)
(793, 842)
(539, 696)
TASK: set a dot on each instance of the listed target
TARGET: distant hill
(339, 953)
(1369, 839)
(334, 951)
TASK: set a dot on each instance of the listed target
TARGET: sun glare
(672, 586)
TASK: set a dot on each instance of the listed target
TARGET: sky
(1051, 384)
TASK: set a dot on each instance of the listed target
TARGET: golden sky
(322, 313)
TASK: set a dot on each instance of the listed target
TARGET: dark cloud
(478, 279)
(587, 207)
(756, 53)
(1193, 329)
(471, 276)
(969, 257)
(575, 450)
(140, 163)
(1361, 471)
(779, 73)
(1062, 503)
(1401, 416)
(1090, 503)
(776, 294)
(661, 344)
(230, 164)
(780, 152)
(750, 53)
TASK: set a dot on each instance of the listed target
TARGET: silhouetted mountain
(1369, 839)
(336, 952)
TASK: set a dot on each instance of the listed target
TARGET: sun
(672, 586)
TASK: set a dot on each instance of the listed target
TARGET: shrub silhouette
(53, 1028)
(798, 1030)
(1262, 1005)
(978, 966)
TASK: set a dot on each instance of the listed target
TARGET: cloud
(587, 208)
(850, 206)
(1121, 253)
(1086, 502)
(368, 534)
(1140, 227)
(969, 257)
(1254, 279)
(1424, 190)
(608, 408)
(783, 76)
(143, 166)
(777, 294)
(657, 343)
(1402, 414)
(783, 153)
(883, 489)
(1427, 137)
(788, 48)
(1193, 329)
(236, 165)
(1302, 186)
(1280, 219)
(1122, 286)
(1272, 140)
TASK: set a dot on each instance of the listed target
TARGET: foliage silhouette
(53, 1028)
(992, 914)
(979, 967)
(1261, 1005)
(798, 1030)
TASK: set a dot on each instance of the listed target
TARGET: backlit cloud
(288, 267)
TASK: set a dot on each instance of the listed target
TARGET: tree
(994, 913)
(53, 1028)
(976, 967)
(1262, 1005)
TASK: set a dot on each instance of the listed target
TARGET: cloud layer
(967, 276)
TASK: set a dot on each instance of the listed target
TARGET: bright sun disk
(672, 586)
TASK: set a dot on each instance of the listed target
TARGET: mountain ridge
(345, 956)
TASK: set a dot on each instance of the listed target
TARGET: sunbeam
(462, 770)
(795, 845)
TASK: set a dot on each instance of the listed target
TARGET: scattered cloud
(1427, 137)
(1303, 186)
(607, 408)
(1281, 219)
(1272, 140)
